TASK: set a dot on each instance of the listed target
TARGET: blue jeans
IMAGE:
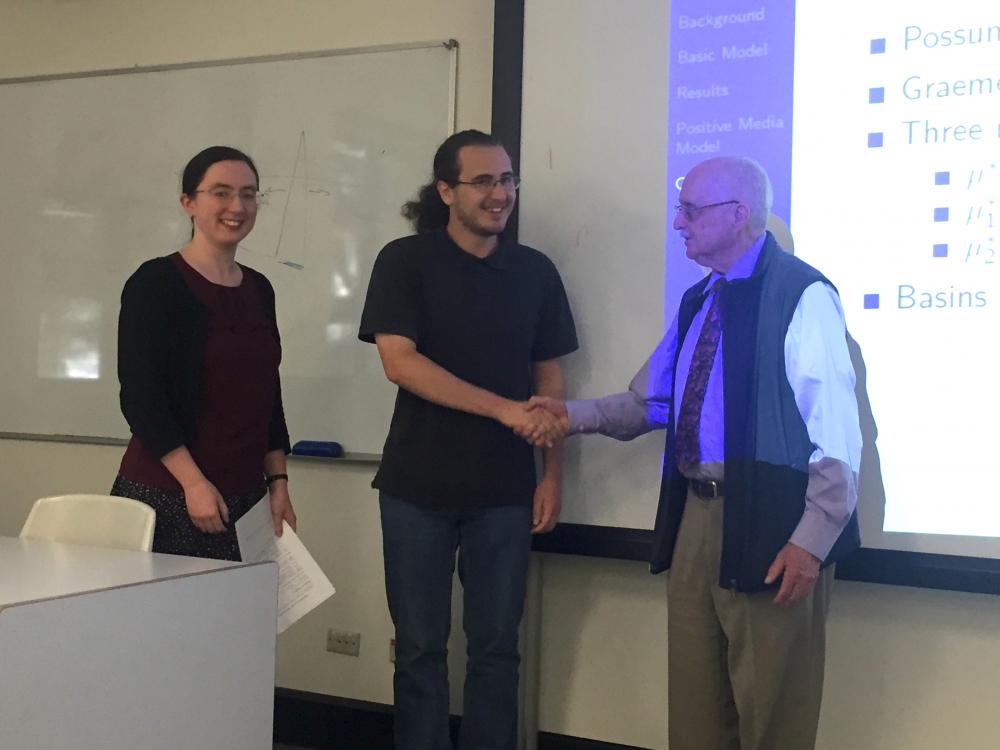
(419, 547)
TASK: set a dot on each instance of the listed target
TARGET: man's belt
(706, 488)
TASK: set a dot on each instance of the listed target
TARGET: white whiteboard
(593, 148)
(91, 169)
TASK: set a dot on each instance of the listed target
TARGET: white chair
(95, 520)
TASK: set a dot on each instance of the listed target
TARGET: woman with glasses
(198, 354)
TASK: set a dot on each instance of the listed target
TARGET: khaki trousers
(744, 673)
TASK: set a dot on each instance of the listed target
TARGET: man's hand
(798, 570)
(206, 507)
(546, 506)
(281, 506)
(537, 426)
(555, 406)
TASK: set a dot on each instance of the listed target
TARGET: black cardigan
(161, 334)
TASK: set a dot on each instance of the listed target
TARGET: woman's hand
(206, 507)
(276, 470)
(281, 505)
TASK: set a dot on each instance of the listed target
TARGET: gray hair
(751, 185)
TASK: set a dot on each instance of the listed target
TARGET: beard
(472, 223)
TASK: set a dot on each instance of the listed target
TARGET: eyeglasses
(690, 211)
(226, 195)
(485, 183)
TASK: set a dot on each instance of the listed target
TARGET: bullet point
(942, 178)
(874, 140)
(876, 95)
(871, 301)
(878, 46)
(941, 250)
(941, 214)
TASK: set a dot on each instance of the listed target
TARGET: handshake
(542, 421)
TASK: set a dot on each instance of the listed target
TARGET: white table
(118, 650)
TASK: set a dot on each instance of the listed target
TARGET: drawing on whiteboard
(287, 220)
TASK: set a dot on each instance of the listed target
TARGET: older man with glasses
(754, 386)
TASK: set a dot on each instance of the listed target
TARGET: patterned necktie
(689, 421)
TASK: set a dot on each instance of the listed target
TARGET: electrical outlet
(342, 642)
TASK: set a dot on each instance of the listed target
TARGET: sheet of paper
(302, 585)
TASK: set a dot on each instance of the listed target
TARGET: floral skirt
(175, 534)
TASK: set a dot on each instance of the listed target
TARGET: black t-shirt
(484, 321)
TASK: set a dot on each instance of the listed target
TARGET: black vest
(767, 447)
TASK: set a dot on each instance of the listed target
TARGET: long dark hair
(428, 212)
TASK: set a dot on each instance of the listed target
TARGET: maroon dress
(238, 378)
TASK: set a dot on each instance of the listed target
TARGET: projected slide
(880, 127)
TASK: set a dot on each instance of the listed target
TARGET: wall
(908, 669)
